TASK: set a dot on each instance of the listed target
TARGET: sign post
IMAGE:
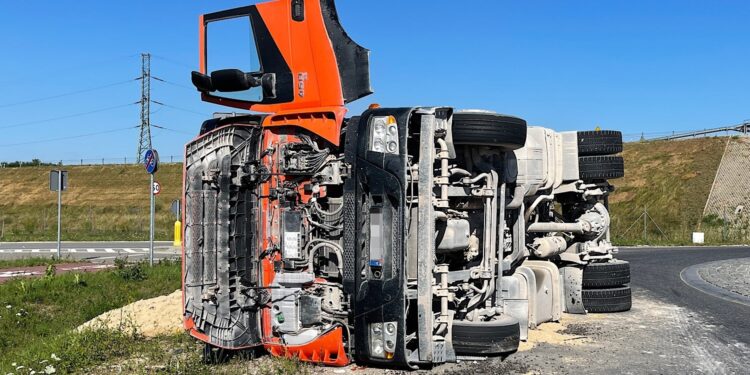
(151, 162)
(58, 181)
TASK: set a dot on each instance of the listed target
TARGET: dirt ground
(150, 318)
(654, 337)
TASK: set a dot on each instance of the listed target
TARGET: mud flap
(547, 307)
(572, 290)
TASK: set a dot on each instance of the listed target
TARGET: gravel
(654, 337)
(732, 275)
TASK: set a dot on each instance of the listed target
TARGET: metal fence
(742, 128)
(84, 162)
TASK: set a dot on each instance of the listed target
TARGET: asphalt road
(658, 271)
(672, 328)
(91, 251)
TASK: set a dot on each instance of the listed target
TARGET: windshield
(230, 44)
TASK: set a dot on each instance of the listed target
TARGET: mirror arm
(254, 79)
(268, 83)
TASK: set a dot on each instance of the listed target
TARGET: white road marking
(103, 266)
(8, 274)
(136, 250)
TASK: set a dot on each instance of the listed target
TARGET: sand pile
(149, 317)
(554, 333)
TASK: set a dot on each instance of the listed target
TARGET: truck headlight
(377, 348)
(383, 340)
(384, 134)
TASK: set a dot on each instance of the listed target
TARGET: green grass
(39, 261)
(109, 202)
(38, 316)
(671, 180)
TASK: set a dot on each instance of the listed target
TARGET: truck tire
(601, 167)
(599, 142)
(607, 300)
(486, 338)
(475, 128)
(606, 275)
(208, 125)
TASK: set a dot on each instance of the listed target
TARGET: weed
(78, 280)
(132, 272)
(121, 263)
(24, 287)
(51, 308)
(50, 271)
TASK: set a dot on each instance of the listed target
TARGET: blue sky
(635, 66)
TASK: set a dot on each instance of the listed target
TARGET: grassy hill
(101, 203)
(671, 180)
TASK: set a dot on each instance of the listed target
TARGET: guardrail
(743, 128)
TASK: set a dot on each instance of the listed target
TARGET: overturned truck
(399, 237)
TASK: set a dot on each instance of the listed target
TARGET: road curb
(692, 278)
(161, 243)
(708, 247)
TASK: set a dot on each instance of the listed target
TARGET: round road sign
(151, 161)
(157, 188)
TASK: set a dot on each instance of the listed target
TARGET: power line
(171, 130)
(193, 89)
(29, 101)
(77, 67)
(67, 116)
(180, 109)
(174, 62)
(68, 137)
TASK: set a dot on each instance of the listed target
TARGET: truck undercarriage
(401, 237)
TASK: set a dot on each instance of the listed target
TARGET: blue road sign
(151, 161)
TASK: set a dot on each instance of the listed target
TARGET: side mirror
(202, 82)
(235, 80)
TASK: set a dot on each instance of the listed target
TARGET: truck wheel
(601, 167)
(209, 125)
(606, 275)
(476, 128)
(607, 300)
(489, 338)
(601, 142)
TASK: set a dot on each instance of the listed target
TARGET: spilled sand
(150, 317)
